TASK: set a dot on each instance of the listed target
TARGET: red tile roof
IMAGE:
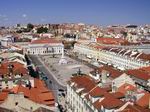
(126, 87)
(112, 71)
(144, 100)
(115, 41)
(20, 88)
(118, 95)
(145, 69)
(145, 57)
(39, 93)
(109, 102)
(39, 83)
(144, 75)
(18, 68)
(85, 82)
(45, 41)
(3, 96)
(97, 104)
(97, 92)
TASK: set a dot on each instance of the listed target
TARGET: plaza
(63, 72)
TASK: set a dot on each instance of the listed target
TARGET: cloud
(24, 15)
(43, 20)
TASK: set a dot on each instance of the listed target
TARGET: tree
(32, 72)
(18, 31)
(42, 30)
(30, 26)
(72, 43)
(27, 59)
(124, 33)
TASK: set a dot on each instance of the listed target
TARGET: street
(52, 84)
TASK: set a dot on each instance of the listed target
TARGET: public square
(63, 72)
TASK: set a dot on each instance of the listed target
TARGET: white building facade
(118, 57)
(76, 100)
(43, 47)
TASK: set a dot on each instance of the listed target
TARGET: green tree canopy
(42, 30)
(30, 26)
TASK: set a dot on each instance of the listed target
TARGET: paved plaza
(63, 72)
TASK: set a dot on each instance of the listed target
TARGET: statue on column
(63, 60)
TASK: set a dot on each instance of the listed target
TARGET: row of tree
(32, 72)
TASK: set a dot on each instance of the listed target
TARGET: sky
(98, 12)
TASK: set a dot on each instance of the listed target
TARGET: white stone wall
(124, 78)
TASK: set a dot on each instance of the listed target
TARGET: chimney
(97, 73)
(114, 88)
(104, 75)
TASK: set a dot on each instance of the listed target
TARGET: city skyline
(98, 12)
(75, 55)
